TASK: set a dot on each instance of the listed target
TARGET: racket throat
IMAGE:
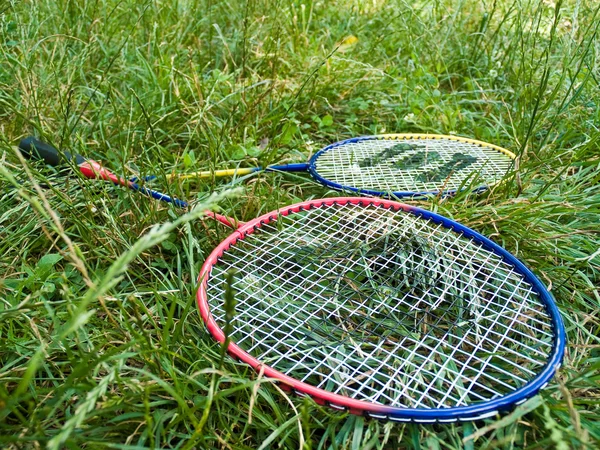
(296, 167)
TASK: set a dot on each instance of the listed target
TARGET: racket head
(256, 322)
(409, 165)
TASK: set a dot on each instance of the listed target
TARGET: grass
(101, 345)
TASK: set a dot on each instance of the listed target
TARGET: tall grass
(101, 345)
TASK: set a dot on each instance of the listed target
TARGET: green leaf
(238, 152)
(168, 245)
(288, 133)
(253, 151)
(327, 121)
(48, 261)
(189, 159)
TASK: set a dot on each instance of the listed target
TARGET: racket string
(433, 352)
(362, 359)
(470, 357)
(400, 345)
(292, 351)
(356, 164)
(292, 255)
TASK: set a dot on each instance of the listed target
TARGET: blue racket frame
(311, 165)
(312, 169)
(491, 408)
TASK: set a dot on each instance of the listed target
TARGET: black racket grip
(33, 148)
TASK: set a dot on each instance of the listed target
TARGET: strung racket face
(409, 164)
(385, 310)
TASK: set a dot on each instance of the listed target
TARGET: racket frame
(312, 164)
(452, 414)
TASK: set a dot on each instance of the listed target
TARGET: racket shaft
(228, 221)
(217, 173)
(158, 195)
(299, 167)
(93, 169)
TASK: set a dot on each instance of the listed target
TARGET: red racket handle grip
(93, 170)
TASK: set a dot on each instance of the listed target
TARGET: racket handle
(33, 148)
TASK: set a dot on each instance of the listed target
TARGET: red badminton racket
(383, 309)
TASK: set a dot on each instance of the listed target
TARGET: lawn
(101, 343)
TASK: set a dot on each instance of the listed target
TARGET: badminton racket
(31, 147)
(383, 309)
(398, 165)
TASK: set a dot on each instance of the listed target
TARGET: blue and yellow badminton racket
(397, 165)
